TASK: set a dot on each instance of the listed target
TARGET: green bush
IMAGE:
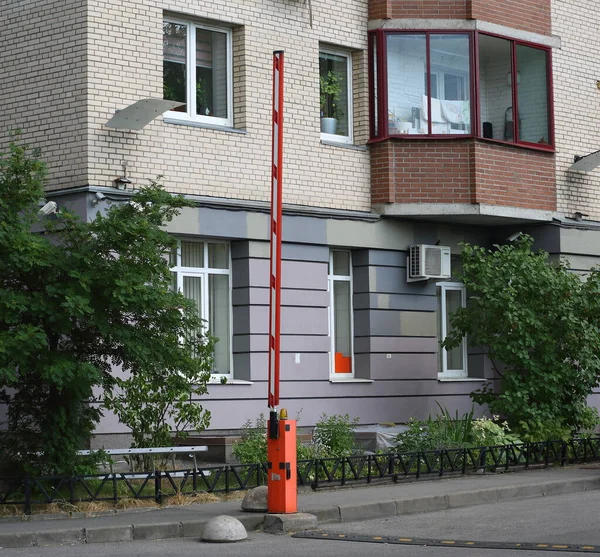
(252, 447)
(334, 436)
(541, 322)
(447, 432)
(441, 432)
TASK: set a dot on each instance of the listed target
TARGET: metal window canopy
(586, 163)
(139, 114)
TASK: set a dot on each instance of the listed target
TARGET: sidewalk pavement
(339, 505)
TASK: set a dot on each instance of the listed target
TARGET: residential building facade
(427, 123)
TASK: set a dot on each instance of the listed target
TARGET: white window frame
(335, 138)
(190, 62)
(331, 279)
(445, 287)
(204, 272)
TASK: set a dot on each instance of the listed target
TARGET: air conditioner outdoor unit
(427, 262)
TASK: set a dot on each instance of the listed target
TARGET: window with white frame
(341, 324)
(197, 71)
(453, 362)
(201, 271)
(335, 88)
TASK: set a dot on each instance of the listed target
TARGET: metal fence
(321, 472)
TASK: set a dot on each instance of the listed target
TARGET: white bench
(150, 451)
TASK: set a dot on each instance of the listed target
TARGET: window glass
(406, 66)
(451, 297)
(450, 84)
(495, 69)
(532, 91)
(340, 288)
(218, 291)
(218, 256)
(209, 288)
(375, 86)
(192, 254)
(196, 66)
(174, 63)
(211, 73)
(342, 326)
(341, 263)
(192, 289)
(454, 357)
(334, 89)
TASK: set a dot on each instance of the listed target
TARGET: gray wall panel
(360, 279)
(360, 258)
(392, 280)
(305, 252)
(295, 252)
(395, 301)
(289, 297)
(312, 366)
(289, 343)
(307, 230)
(395, 323)
(387, 258)
(294, 274)
(294, 320)
(404, 366)
(395, 345)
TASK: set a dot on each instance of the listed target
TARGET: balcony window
(431, 87)
(197, 72)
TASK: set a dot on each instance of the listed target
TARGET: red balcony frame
(379, 109)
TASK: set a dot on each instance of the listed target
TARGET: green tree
(79, 298)
(539, 324)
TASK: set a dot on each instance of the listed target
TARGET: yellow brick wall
(577, 102)
(125, 64)
(42, 82)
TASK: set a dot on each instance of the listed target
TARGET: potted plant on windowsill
(330, 89)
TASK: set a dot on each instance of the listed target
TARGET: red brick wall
(529, 15)
(443, 9)
(418, 171)
(513, 176)
(461, 171)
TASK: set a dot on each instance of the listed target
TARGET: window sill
(542, 147)
(230, 382)
(461, 379)
(349, 380)
(333, 143)
(204, 125)
(531, 146)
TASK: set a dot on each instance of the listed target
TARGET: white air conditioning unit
(427, 262)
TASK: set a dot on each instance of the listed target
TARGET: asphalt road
(560, 520)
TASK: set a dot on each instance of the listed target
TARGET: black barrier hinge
(273, 425)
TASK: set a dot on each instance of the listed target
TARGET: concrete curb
(256, 521)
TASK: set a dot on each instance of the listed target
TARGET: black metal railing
(26, 492)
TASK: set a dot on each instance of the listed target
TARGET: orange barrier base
(282, 483)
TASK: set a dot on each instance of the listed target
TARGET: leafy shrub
(489, 433)
(334, 436)
(252, 447)
(542, 323)
(441, 432)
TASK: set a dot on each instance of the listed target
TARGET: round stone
(224, 529)
(255, 500)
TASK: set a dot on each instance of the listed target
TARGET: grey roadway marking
(317, 535)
